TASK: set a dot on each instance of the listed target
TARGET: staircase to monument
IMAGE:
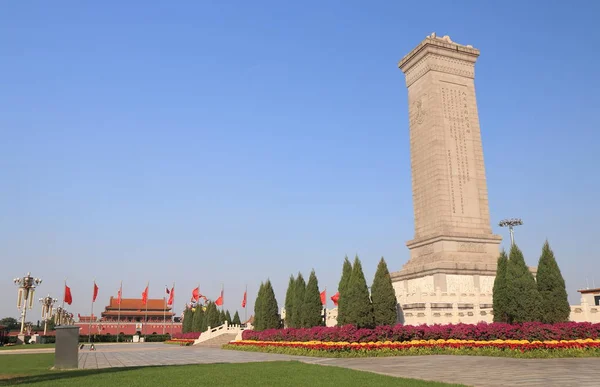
(223, 334)
(218, 341)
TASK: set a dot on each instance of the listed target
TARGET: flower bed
(184, 342)
(511, 348)
(402, 333)
(188, 335)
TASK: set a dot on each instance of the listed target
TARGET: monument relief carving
(471, 247)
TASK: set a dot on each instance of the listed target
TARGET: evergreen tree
(212, 315)
(383, 296)
(228, 317)
(524, 301)
(222, 317)
(551, 286)
(500, 292)
(236, 319)
(299, 290)
(197, 320)
(312, 307)
(289, 303)
(359, 310)
(188, 319)
(270, 309)
(204, 325)
(258, 315)
(342, 286)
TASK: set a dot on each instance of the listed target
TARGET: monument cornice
(442, 46)
(454, 237)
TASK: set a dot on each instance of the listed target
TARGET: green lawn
(26, 346)
(35, 369)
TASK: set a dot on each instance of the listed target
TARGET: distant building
(131, 317)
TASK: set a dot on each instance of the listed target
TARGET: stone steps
(219, 341)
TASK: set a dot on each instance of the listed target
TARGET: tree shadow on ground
(59, 375)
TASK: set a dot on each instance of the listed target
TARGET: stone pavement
(468, 370)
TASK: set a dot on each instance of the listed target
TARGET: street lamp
(26, 286)
(47, 304)
(511, 223)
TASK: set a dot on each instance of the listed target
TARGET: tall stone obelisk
(453, 250)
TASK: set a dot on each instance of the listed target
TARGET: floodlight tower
(511, 224)
(26, 286)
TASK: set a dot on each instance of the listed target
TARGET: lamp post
(47, 304)
(26, 286)
(511, 223)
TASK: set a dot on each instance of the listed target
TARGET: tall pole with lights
(47, 304)
(26, 286)
(511, 224)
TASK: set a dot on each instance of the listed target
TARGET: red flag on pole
(219, 301)
(95, 292)
(196, 294)
(323, 297)
(145, 296)
(68, 297)
(335, 298)
(171, 296)
(244, 300)
(119, 297)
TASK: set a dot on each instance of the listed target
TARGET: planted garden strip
(403, 333)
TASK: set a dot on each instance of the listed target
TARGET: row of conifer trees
(356, 305)
(521, 297)
(198, 319)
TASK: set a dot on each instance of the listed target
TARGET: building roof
(586, 291)
(137, 313)
(136, 304)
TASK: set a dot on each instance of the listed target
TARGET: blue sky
(229, 142)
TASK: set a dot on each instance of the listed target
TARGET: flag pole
(222, 297)
(172, 308)
(246, 306)
(146, 316)
(64, 294)
(120, 296)
(90, 321)
(165, 314)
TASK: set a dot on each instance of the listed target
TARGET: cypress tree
(228, 317)
(359, 310)
(204, 325)
(258, 315)
(270, 309)
(312, 307)
(188, 319)
(500, 295)
(289, 303)
(551, 286)
(299, 290)
(198, 317)
(383, 296)
(236, 319)
(342, 286)
(212, 315)
(524, 300)
(222, 317)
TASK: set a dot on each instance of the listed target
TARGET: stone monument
(452, 266)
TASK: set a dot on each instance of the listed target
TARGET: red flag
(166, 289)
(171, 296)
(244, 300)
(68, 297)
(95, 292)
(145, 296)
(119, 297)
(335, 298)
(323, 297)
(196, 294)
(219, 301)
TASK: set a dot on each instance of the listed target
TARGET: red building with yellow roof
(132, 317)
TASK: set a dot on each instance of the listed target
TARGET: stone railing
(226, 328)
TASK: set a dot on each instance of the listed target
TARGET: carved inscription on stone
(471, 247)
(460, 284)
(418, 111)
(456, 114)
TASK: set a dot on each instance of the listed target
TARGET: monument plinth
(453, 251)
